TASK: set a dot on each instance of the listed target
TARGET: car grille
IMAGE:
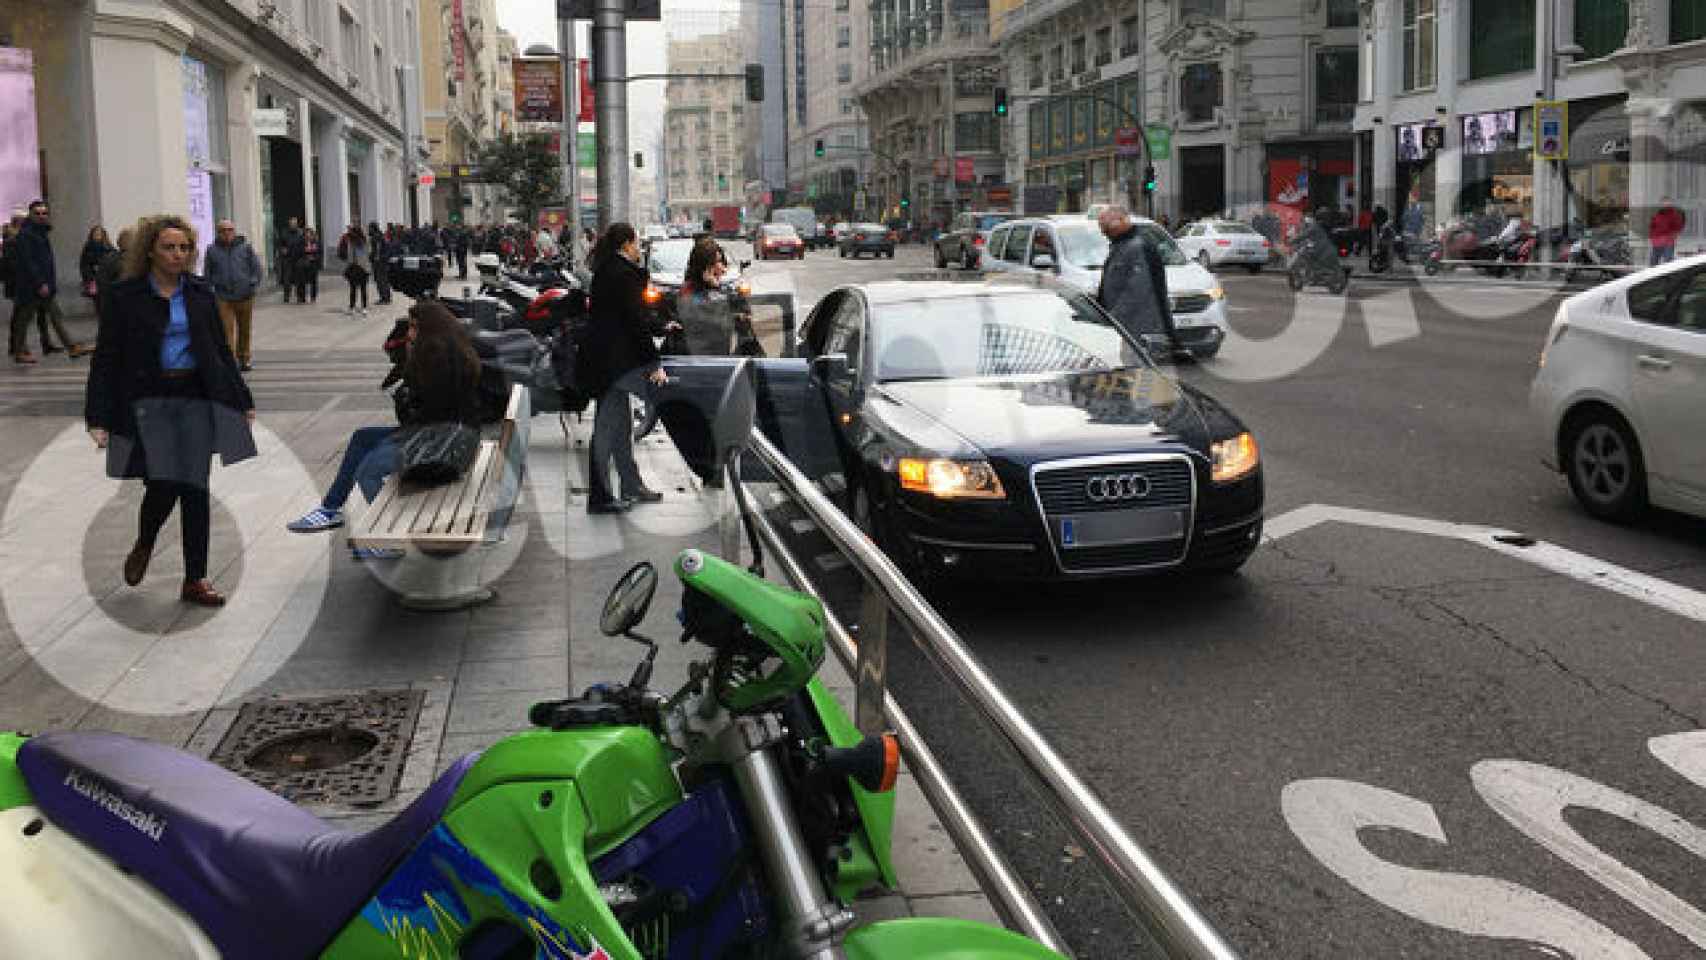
(1195, 303)
(1062, 490)
(1090, 559)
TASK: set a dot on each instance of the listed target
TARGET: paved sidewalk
(79, 649)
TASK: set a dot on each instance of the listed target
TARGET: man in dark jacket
(379, 249)
(291, 247)
(619, 360)
(1134, 281)
(37, 281)
(234, 270)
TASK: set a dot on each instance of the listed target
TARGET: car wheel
(941, 261)
(1202, 258)
(1603, 461)
(1296, 278)
(843, 253)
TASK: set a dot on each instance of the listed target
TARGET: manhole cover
(345, 749)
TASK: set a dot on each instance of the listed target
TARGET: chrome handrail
(1158, 904)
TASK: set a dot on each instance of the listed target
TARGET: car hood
(1029, 419)
(1182, 279)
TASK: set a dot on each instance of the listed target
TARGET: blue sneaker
(316, 520)
(374, 553)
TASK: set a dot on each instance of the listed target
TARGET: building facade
(936, 147)
(461, 92)
(1243, 102)
(1449, 96)
(705, 127)
(827, 46)
(764, 158)
(257, 110)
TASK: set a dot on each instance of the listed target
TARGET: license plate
(1182, 320)
(1118, 527)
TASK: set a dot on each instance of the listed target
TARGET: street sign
(1551, 130)
(272, 122)
(1160, 139)
(426, 178)
(1126, 143)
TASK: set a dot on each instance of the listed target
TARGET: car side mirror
(830, 367)
(1042, 261)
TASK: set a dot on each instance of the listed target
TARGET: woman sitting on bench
(441, 379)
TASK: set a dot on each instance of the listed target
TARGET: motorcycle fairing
(941, 939)
(14, 792)
(261, 876)
(872, 861)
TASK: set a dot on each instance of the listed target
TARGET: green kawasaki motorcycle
(736, 817)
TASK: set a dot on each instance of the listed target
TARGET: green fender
(933, 938)
(872, 862)
(13, 791)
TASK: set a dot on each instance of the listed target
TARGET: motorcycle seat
(490, 344)
(261, 876)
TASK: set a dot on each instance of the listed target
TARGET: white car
(654, 231)
(1620, 391)
(1215, 243)
(1073, 249)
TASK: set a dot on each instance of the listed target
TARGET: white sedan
(1620, 391)
(1212, 243)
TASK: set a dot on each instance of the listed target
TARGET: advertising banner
(538, 90)
(588, 155)
(271, 122)
(1551, 130)
(965, 170)
(588, 95)
(1160, 141)
(1125, 142)
(20, 163)
(200, 184)
(458, 40)
(194, 76)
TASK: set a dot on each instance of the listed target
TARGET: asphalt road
(1363, 745)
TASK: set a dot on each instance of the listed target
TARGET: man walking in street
(1134, 281)
(290, 259)
(234, 270)
(35, 285)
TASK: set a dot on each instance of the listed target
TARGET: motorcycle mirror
(629, 600)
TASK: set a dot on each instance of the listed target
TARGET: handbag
(435, 453)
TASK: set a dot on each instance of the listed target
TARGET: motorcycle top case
(415, 275)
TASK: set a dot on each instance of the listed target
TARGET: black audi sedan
(1006, 430)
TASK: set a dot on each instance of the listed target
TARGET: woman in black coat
(165, 395)
(621, 361)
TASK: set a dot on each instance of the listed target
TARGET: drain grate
(342, 749)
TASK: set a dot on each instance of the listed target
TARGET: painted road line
(1672, 597)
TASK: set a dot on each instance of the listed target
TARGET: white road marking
(1683, 752)
(1390, 317)
(1671, 597)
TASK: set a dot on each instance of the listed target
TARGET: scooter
(737, 816)
(1387, 244)
(1316, 261)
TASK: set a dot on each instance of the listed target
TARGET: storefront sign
(588, 93)
(588, 154)
(1125, 142)
(999, 195)
(1160, 141)
(458, 40)
(426, 178)
(1485, 133)
(538, 90)
(1551, 130)
(272, 122)
(965, 170)
(200, 188)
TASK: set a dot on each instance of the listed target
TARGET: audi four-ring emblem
(1110, 487)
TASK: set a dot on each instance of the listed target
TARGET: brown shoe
(202, 593)
(136, 565)
(25, 357)
(80, 349)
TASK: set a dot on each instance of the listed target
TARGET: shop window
(1036, 121)
(1421, 37)
(1601, 26)
(1341, 13)
(1335, 85)
(1104, 46)
(1205, 8)
(1035, 74)
(1687, 21)
(1501, 37)
(1200, 91)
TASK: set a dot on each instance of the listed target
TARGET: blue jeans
(1663, 254)
(370, 457)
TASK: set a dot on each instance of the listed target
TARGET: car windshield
(998, 334)
(670, 256)
(868, 228)
(1082, 245)
(989, 220)
(779, 230)
(1171, 255)
(1234, 229)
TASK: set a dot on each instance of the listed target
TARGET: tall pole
(610, 41)
(570, 145)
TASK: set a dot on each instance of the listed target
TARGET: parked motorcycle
(1316, 261)
(736, 816)
(1465, 241)
(1597, 251)
(1388, 243)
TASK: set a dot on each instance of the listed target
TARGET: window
(846, 106)
(843, 36)
(1104, 46)
(379, 75)
(1057, 63)
(1647, 300)
(1687, 21)
(841, 5)
(997, 242)
(315, 19)
(1335, 85)
(1200, 91)
(1017, 241)
(976, 131)
(1601, 26)
(844, 73)
(1501, 37)
(1128, 36)
(1036, 71)
(1420, 36)
(1205, 8)
(350, 41)
(1079, 63)
(1341, 13)
(1691, 303)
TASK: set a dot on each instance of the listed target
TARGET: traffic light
(1149, 178)
(755, 82)
(1001, 101)
(722, 181)
(905, 202)
(818, 149)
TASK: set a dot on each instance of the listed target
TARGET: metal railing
(1159, 905)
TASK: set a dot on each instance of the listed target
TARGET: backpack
(569, 366)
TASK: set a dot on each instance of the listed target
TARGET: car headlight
(1234, 458)
(1217, 292)
(951, 479)
(653, 296)
(743, 288)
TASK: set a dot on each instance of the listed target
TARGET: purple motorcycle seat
(261, 876)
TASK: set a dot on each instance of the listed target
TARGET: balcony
(959, 36)
(1030, 15)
